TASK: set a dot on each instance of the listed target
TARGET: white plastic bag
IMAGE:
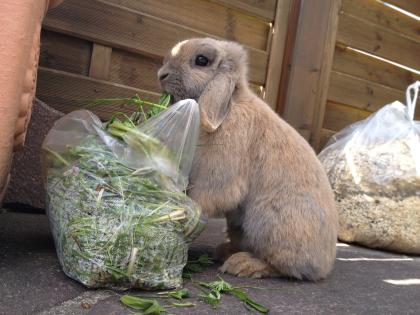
(117, 207)
(374, 169)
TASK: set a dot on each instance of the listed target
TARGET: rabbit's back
(259, 164)
(290, 200)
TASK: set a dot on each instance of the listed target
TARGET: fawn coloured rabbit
(252, 168)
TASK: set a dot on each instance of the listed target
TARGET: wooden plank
(100, 62)
(65, 53)
(311, 67)
(67, 92)
(360, 93)
(371, 69)
(339, 116)
(325, 136)
(119, 27)
(366, 36)
(201, 15)
(412, 6)
(292, 26)
(135, 70)
(380, 14)
(140, 71)
(278, 44)
(260, 8)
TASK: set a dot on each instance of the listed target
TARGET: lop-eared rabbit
(252, 168)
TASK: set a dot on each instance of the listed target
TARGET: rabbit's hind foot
(244, 264)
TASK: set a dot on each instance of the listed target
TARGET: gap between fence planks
(119, 27)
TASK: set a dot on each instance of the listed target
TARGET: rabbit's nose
(162, 75)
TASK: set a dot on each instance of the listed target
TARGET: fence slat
(338, 116)
(134, 70)
(100, 62)
(311, 67)
(202, 16)
(123, 28)
(277, 50)
(378, 13)
(412, 6)
(65, 53)
(363, 94)
(260, 8)
(67, 92)
(371, 69)
(358, 33)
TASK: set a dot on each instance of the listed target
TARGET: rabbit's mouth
(174, 91)
(177, 95)
(174, 97)
(171, 100)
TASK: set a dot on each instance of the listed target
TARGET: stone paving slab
(31, 281)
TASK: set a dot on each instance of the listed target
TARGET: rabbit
(252, 168)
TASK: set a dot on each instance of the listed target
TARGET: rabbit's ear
(215, 101)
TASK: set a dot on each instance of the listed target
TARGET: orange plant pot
(20, 31)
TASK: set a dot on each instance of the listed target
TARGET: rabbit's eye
(201, 61)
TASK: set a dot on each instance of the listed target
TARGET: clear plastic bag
(117, 209)
(374, 169)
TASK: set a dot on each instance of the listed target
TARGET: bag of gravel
(374, 169)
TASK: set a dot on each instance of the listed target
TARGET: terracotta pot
(20, 22)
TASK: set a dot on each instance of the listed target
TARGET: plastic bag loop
(411, 102)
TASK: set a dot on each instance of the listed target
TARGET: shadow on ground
(31, 281)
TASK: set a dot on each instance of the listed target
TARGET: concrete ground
(31, 281)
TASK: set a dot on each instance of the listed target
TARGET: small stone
(85, 305)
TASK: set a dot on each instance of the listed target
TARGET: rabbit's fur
(253, 168)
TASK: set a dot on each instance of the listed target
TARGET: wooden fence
(322, 64)
(113, 48)
(343, 63)
(362, 83)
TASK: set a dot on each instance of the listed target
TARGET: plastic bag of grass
(115, 196)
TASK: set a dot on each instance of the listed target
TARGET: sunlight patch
(342, 245)
(177, 47)
(376, 259)
(403, 281)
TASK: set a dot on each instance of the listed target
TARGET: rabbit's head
(208, 71)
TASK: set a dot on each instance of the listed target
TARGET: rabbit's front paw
(243, 264)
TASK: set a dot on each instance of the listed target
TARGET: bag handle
(411, 102)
